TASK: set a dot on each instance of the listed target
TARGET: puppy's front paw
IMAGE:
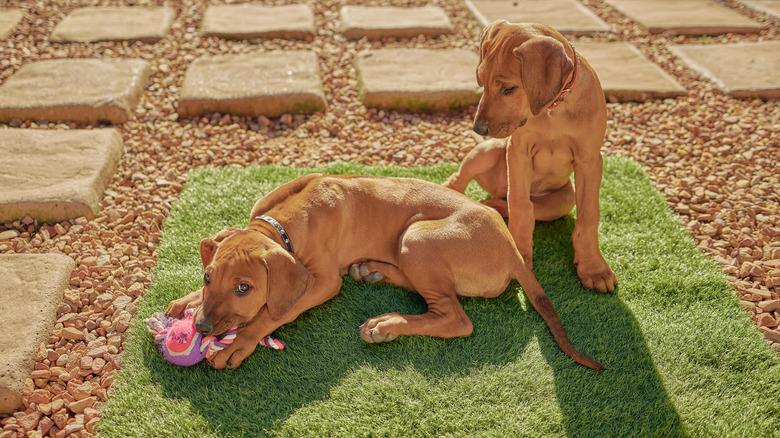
(177, 307)
(598, 276)
(233, 355)
(381, 328)
(361, 272)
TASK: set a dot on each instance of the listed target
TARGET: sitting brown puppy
(547, 102)
(305, 235)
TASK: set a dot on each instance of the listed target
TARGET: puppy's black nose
(480, 128)
(204, 326)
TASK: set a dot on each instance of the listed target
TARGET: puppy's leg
(177, 307)
(324, 288)
(428, 251)
(383, 328)
(485, 164)
(445, 319)
(593, 270)
(521, 208)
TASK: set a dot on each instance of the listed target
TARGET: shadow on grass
(629, 396)
(324, 348)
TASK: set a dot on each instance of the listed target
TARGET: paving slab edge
(707, 74)
(86, 204)
(12, 380)
(169, 14)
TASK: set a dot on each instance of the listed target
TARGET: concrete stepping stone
(80, 90)
(55, 175)
(123, 23)
(741, 70)
(568, 16)
(418, 79)
(375, 22)
(771, 7)
(31, 288)
(627, 75)
(269, 84)
(259, 21)
(685, 17)
(9, 19)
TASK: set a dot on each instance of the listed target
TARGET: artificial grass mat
(682, 358)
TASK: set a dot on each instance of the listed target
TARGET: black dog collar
(280, 228)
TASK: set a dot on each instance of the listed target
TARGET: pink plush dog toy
(182, 345)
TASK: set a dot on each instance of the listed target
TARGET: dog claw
(365, 335)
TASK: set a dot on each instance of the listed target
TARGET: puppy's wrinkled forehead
(497, 46)
(240, 250)
(233, 249)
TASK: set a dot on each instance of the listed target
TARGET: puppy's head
(522, 68)
(245, 270)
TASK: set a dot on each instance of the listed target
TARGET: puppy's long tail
(533, 290)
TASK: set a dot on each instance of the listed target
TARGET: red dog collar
(567, 89)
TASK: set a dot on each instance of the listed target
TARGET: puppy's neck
(570, 86)
(276, 231)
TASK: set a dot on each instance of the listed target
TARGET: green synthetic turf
(682, 359)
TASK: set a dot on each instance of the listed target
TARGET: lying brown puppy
(548, 101)
(305, 235)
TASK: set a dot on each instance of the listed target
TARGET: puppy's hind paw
(374, 335)
(361, 272)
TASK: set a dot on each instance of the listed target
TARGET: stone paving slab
(568, 16)
(80, 90)
(9, 19)
(418, 79)
(627, 75)
(55, 175)
(31, 288)
(131, 23)
(375, 22)
(771, 7)
(742, 70)
(269, 84)
(686, 17)
(258, 21)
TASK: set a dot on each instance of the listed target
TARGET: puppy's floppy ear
(288, 280)
(544, 67)
(208, 246)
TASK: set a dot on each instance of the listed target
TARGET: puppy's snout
(204, 326)
(480, 127)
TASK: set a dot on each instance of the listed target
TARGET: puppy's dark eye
(242, 289)
(206, 279)
(506, 91)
